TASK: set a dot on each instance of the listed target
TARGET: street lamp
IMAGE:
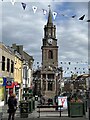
(56, 74)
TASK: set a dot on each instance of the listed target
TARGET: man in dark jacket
(12, 105)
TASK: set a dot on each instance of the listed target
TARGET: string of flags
(73, 62)
(34, 8)
(74, 67)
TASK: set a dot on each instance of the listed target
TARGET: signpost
(62, 100)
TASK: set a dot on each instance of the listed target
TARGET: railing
(50, 106)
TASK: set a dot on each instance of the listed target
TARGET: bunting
(13, 2)
(23, 5)
(34, 9)
(82, 17)
(44, 11)
(73, 16)
(53, 13)
(88, 20)
(78, 68)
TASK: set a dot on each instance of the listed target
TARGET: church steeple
(49, 16)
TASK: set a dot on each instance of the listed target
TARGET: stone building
(51, 74)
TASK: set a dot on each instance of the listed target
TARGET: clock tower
(49, 85)
(49, 48)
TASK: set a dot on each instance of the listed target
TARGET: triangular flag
(75, 68)
(23, 5)
(88, 20)
(67, 68)
(73, 16)
(82, 17)
(13, 2)
(44, 11)
(54, 15)
(34, 9)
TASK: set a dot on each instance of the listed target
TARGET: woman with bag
(12, 106)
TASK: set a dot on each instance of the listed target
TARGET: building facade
(18, 66)
(6, 71)
(27, 64)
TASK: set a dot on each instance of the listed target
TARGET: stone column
(46, 83)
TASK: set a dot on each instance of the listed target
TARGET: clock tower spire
(49, 16)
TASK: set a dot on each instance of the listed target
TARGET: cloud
(24, 27)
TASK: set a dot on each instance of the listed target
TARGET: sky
(24, 27)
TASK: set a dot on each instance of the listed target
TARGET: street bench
(42, 108)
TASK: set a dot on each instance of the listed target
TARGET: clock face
(50, 41)
(49, 34)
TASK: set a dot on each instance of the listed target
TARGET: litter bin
(30, 105)
(33, 100)
(24, 109)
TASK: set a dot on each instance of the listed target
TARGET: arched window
(50, 54)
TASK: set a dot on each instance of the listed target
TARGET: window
(50, 76)
(3, 63)
(50, 86)
(12, 66)
(8, 64)
(50, 54)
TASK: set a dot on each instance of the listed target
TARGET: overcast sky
(24, 27)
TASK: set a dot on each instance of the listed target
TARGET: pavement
(44, 115)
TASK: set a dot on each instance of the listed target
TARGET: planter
(75, 109)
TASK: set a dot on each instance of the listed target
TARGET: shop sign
(9, 83)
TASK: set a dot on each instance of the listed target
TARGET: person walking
(12, 106)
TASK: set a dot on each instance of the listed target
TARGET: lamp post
(56, 75)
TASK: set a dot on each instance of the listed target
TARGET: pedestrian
(12, 106)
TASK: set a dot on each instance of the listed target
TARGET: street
(44, 116)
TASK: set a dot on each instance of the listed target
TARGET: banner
(4, 81)
(62, 100)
